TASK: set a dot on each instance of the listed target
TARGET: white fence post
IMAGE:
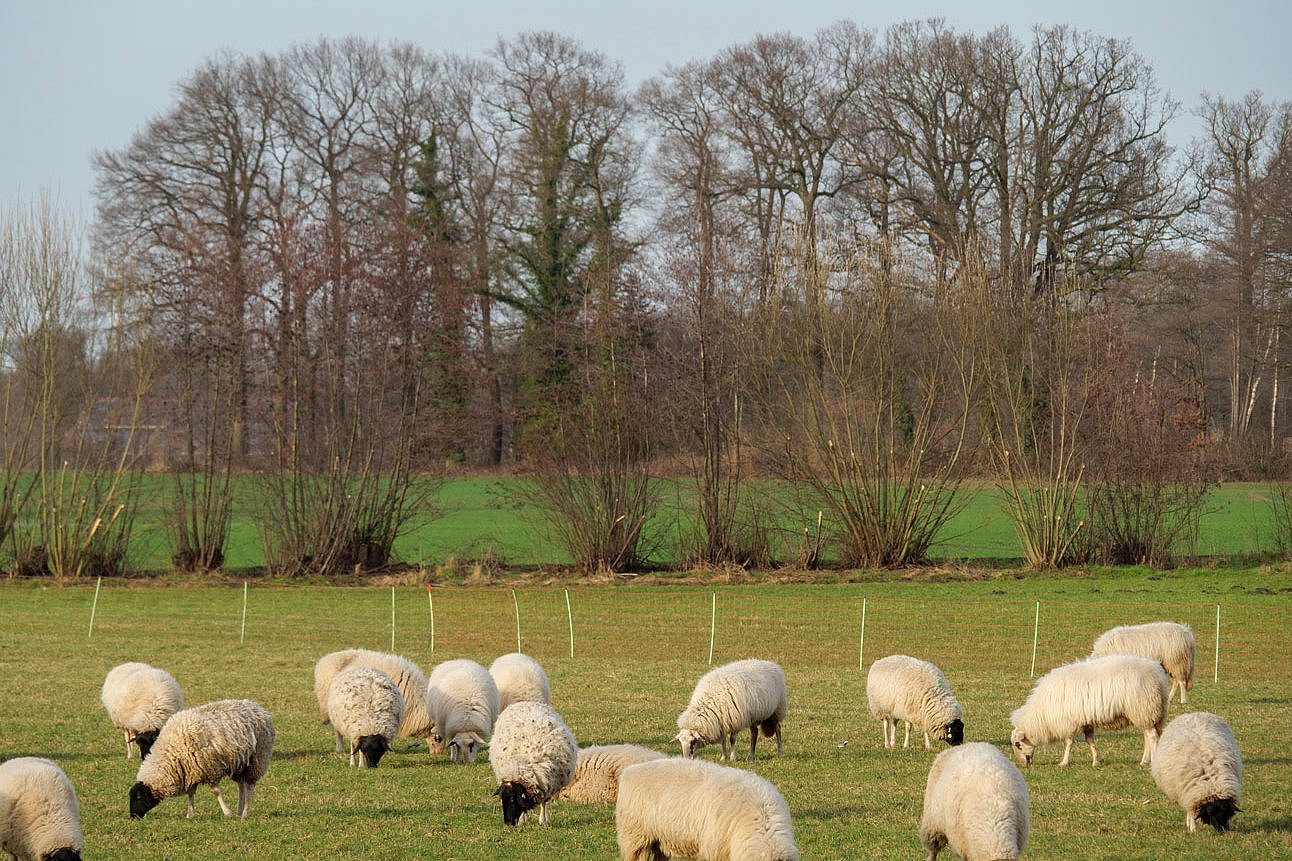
(1036, 632)
(861, 650)
(569, 616)
(713, 626)
(1215, 667)
(93, 608)
(516, 605)
(242, 634)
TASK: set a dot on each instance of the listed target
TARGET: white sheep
(533, 754)
(463, 705)
(39, 816)
(204, 744)
(691, 808)
(407, 676)
(748, 694)
(365, 708)
(902, 688)
(1198, 766)
(596, 774)
(139, 698)
(1169, 643)
(976, 802)
(519, 677)
(1109, 692)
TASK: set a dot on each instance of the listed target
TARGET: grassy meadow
(637, 650)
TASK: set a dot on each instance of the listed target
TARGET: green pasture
(484, 519)
(623, 658)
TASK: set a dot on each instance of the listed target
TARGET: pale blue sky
(82, 75)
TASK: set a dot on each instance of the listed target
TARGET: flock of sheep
(976, 801)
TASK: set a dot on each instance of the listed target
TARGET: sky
(81, 76)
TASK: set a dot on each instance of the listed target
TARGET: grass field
(637, 651)
(481, 518)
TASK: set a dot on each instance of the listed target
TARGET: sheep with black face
(365, 707)
(533, 756)
(902, 688)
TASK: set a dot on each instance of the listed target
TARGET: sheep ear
(498, 791)
(677, 737)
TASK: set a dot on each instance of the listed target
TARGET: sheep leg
(1184, 692)
(1090, 740)
(778, 740)
(927, 746)
(191, 809)
(906, 740)
(1171, 693)
(542, 813)
(753, 741)
(883, 728)
(722, 737)
(224, 808)
(1067, 751)
(340, 743)
(352, 751)
(1150, 745)
(245, 790)
(1190, 822)
(129, 739)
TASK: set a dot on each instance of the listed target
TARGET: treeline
(871, 263)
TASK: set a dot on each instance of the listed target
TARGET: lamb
(463, 706)
(902, 688)
(1198, 766)
(1109, 692)
(976, 802)
(139, 698)
(406, 675)
(744, 694)
(596, 774)
(695, 809)
(519, 677)
(532, 755)
(204, 744)
(1169, 643)
(39, 816)
(366, 707)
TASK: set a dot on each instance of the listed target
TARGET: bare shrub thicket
(858, 404)
(72, 422)
(1147, 486)
(1035, 382)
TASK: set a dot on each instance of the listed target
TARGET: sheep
(366, 707)
(204, 744)
(902, 688)
(1109, 692)
(743, 694)
(463, 705)
(519, 677)
(696, 809)
(406, 675)
(976, 802)
(1169, 643)
(39, 817)
(1198, 766)
(139, 698)
(596, 774)
(533, 754)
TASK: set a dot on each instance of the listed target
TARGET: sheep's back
(596, 773)
(1108, 692)
(463, 698)
(140, 697)
(365, 701)
(519, 677)
(208, 742)
(735, 696)
(1197, 759)
(38, 808)
(532, 745)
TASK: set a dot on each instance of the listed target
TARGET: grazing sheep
(976, 802)
(366, 708)
(1110, 692)
(690, 808)
(744, 694)
(406, 675)
(139, 698)
(204, 744)
(1169, 643)
(596, 775)
(902, 688)
(519, 678)
(39, 816)
(463, 706)
(532, 755)
(1198, 766)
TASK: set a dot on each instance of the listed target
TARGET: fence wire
(1236, 643)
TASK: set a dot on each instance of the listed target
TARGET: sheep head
(142, 799)
(517, 800)
(1023, 749)
(371, 749)
(691, 742)
(1217, 812)
(466, 744)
